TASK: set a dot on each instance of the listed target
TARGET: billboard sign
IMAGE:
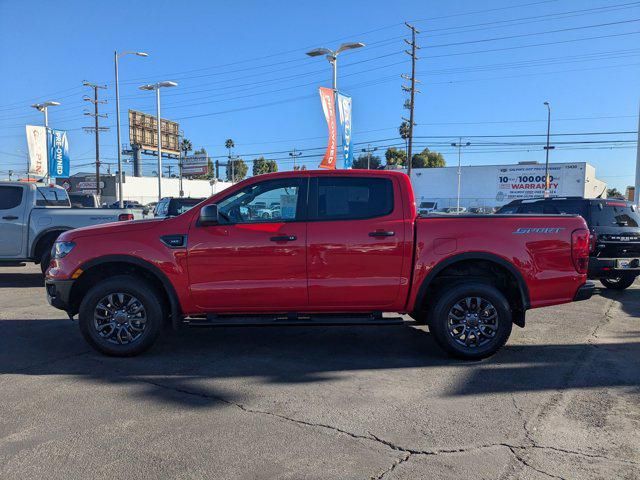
(195, 165)
(528, 181)
(344, 108)
(58, 145)
(143, 131)
(329, 108)
(37, 143)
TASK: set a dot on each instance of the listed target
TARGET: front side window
(271, 201)
(10, 197)
(344, 198)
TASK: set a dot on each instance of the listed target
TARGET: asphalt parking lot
(561, 400)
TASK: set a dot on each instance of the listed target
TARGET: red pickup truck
(318, 247)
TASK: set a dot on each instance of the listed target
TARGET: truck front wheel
(121, 316)
(471, 320)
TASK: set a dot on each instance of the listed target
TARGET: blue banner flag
(344, 108)
(58, 147)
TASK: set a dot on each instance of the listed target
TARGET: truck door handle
(10, 217)
(283, 238)
(381, 233)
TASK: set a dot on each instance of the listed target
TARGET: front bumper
(585, 292)
(59, 293)
(607, 267)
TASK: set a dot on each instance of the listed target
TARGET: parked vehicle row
(32, 216)
(335, 245)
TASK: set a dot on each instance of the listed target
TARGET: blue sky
(243, 74)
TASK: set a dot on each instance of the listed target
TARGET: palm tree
(404, 132)
(228, 144)
(186, 146)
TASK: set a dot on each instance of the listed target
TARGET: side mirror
(209, 215)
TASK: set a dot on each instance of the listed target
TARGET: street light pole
(459, 144)
(116, 56)
(44, 107)
(157, 87)
(332, 56)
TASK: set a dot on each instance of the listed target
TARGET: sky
(485, 69)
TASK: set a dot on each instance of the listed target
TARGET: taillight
(125, 216)
(592, 243)
(580, 245)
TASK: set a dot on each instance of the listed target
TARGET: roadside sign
(89, 185)
(196, 165)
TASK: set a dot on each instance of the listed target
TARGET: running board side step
(290, 320)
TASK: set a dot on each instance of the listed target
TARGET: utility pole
(369, 151)
(412, 91)
(294, 154)
(459, 144)
(96, 128)
(636, 194)
(547, 183)
(168, 167)
(10, 174)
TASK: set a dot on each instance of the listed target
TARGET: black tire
(45, 259)
(492, 304)
(618, 283)
(130, 287)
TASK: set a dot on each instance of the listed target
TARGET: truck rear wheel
(618, 283)
(471, 320)
(121, 316)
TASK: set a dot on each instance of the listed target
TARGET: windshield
(614, 214)
(52, 197)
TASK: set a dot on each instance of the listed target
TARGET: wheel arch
(481, 259)
(102, 267)
(39, 241)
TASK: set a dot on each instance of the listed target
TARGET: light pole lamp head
(41, 106)
(316, 52)
(142, 54)
(166, 84)
(349, 46)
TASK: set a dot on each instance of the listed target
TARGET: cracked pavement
(561, 400)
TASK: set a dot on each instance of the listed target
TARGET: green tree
(614, 193)
(363, 160)
(262, 166)
(236, 170)
(395, 156)
(428, 159)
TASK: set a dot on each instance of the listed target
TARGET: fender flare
(174, 302)
(490, 257)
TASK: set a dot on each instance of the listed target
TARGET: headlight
(62, 249)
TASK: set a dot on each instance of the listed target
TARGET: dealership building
(496, 185)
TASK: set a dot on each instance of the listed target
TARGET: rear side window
(571, 207)
(10, 197)
(540, 208)
(614, 214)
(343, 198)
(52, 197)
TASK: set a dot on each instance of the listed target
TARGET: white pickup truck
(32, 215)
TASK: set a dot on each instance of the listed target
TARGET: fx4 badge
(525, 230)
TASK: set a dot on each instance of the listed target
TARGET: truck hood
(107, 228)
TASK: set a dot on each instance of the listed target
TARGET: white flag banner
(37, 143)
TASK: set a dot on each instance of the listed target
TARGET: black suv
(614, 224)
